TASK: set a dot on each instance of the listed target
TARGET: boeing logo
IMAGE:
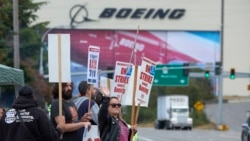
(142, 13)
(79, 14)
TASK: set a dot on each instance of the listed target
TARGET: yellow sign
(199, 106)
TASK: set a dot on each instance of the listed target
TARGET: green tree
(30, 40)
(30, 35)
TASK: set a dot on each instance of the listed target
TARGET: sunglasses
(114, 105)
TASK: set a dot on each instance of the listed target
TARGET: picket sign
(92, 134)
(59, 67)
(145, 81)
(128, 96)
(105, 82)
(59, 57)
(93, 61)
(121, 80)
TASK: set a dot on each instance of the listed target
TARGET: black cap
(26, 91)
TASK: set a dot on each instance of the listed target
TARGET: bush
(199, 118)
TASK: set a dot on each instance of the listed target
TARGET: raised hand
(105, 91)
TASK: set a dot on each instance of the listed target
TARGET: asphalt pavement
(233, 114)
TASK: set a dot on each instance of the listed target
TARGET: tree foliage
(30, 40)
(29, 34)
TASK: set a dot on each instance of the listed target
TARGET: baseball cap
(26, 91)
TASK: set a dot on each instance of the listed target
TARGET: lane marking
(230, 136)
(144, 139)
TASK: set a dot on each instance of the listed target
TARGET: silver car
(245, 133)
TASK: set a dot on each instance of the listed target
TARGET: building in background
(169, 32)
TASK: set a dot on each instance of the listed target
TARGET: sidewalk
(236, 99)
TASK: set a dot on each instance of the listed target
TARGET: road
(150, 134)
(234, 114)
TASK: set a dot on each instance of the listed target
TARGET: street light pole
(41, 69)
(16, 34)
(220, 78)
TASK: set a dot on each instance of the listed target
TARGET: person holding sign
(111, 126)
(85, 105)
(69, 111)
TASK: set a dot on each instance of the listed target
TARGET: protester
(25, 121)
(111, 126)
(69, 111)
(84, 106)
(2, 111)
(98, 96)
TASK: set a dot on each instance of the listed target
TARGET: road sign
(198, 106)
(170, 75)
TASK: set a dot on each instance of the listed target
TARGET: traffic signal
(217, 68)
(232, 73)
(207, 74)
(185, 69)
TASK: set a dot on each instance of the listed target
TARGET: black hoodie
(39, 127)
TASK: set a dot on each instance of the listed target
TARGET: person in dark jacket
(111, 126)
(26, 122)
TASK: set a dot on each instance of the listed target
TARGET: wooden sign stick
(134, 90)
(108, 84)
(137, 113)
(89, 103)
(133, 104)
(60, 76)
(60, 73)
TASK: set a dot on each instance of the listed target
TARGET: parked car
(245, 133)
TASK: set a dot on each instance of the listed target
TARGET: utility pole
(16, 34)
(220, 78)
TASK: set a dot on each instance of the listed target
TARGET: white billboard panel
(129, 14)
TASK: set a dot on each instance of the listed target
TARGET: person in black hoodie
(26, 122)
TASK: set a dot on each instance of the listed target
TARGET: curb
(222, 127)
(216, 101)
(228, 101)
(239, 100)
